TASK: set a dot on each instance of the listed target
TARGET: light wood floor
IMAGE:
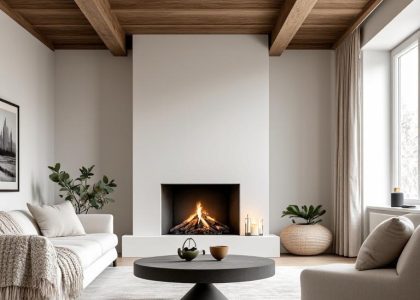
(284, 260)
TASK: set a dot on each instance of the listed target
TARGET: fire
(198, 212)
(200, 223)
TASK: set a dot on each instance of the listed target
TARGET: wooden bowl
(219, 252)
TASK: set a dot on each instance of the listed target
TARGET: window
(406, 117)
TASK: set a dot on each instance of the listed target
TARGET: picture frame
(9, 146)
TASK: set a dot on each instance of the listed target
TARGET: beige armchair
(344, 282)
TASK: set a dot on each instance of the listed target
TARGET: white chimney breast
(200, 115)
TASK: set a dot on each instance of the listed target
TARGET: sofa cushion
(409, 262)
(414, 218)
(88, 247)
(384, 244)
(57, 220)
(25, 221)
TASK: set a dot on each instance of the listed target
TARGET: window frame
(404, 47)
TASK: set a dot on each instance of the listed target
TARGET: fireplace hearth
(200, 209)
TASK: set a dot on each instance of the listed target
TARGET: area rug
(120, 283)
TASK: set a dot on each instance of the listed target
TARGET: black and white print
(9, 146)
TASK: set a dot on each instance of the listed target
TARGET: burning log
(200, 223)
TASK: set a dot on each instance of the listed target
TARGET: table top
(204, 269)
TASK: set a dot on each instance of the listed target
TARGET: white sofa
(96, 249)
(344, 282)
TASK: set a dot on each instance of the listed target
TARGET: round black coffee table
(204, 271)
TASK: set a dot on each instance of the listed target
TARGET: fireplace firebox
(200, 209)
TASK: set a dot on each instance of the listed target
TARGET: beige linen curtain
(348, 185)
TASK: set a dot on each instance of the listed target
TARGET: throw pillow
(57, 220)
(384, 244)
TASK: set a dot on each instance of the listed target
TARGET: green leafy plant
(79, 192)
(311, 214)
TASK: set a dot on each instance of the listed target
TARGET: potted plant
(307, 237)
(82, 194)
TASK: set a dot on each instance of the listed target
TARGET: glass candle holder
(247, 225)
(261, 227)
(254, 228)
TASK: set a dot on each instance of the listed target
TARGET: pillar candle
(254, 229)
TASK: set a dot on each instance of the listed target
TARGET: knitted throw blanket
(31, 267)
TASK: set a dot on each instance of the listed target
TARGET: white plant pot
(306, 239)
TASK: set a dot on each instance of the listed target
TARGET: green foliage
(311, 214)
(79, 192)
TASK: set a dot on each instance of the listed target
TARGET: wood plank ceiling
(63, 24)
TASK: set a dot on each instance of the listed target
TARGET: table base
(204, 291)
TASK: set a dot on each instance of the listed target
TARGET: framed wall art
(9, 146)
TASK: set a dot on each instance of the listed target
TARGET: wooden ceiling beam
(291, 18)
(18, 18)
(370, 8)
(105, 23)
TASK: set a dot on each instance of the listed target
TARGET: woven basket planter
(306, 239)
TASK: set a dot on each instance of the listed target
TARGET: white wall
(200, 115)
(376, 127)
(94, 122)
(27, 79)
(302, 124)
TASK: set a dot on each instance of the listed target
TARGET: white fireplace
(200, 116)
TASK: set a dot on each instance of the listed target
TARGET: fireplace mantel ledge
(146, 246)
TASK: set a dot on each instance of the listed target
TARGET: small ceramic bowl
(219, 252)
